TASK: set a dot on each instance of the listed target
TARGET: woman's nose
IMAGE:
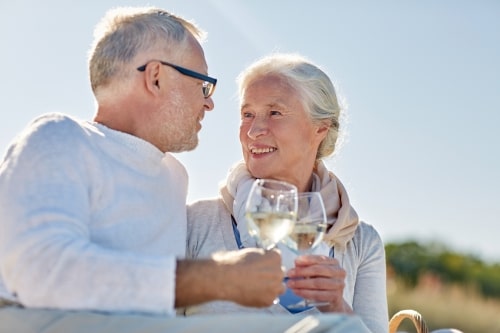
(258, 127)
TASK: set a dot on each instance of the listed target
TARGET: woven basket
(414, 316)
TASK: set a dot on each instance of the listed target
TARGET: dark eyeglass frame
(209, 83)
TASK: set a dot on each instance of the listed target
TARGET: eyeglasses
(208, 85)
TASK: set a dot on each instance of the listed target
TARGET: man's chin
(186, 146)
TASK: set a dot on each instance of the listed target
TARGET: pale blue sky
(421, 80)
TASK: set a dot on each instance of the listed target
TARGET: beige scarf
(341, 214)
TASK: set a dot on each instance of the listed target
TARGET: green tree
(409, 260)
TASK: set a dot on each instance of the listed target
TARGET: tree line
(411, 260)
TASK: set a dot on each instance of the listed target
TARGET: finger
(322, 296)
(312, 259)
(318, 270)
(276, 250)
(323, 284)
(317, 289)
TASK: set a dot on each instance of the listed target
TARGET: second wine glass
(308, 232)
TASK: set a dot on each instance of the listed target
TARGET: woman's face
(277, 136)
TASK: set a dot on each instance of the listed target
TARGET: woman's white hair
(312, 84)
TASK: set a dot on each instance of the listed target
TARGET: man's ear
(152, 77)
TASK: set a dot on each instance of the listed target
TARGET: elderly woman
(289, 123)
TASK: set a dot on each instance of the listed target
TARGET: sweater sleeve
(208, 229)
(48, 256)
(370, 297)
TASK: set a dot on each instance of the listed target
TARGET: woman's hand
(319, 278)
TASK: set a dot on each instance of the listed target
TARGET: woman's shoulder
(208, 213)
(209, 228)
(367, 239)
(206, 206)
(366, 231)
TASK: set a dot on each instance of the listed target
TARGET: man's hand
(253, 277)
(250, 277)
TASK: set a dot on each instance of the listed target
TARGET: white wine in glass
(308, 232)
(271, 211)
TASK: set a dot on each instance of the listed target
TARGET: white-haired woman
(289, 123)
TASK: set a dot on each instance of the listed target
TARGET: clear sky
(421, 81)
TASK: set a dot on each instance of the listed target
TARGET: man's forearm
(197, 281)
(250, 277)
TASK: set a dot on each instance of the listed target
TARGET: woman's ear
(323, 128)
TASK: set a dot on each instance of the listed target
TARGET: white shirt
(91, 218)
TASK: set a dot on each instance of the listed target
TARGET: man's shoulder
(57, 122)
(53, 127)
(52, 134)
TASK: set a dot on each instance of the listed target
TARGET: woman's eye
(275, 113)
(246, 115)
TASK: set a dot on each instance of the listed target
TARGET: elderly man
(93, 212)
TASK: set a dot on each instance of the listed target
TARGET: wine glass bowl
(271, 211)
(310, 225)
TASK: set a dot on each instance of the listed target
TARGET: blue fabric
(236, 233)
(291, 301)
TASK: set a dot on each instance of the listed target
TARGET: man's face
(183, 107)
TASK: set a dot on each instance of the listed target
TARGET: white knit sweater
(92, 218)
(210, 230)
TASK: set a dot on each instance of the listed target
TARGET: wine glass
(271, 210)
(308, 232)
